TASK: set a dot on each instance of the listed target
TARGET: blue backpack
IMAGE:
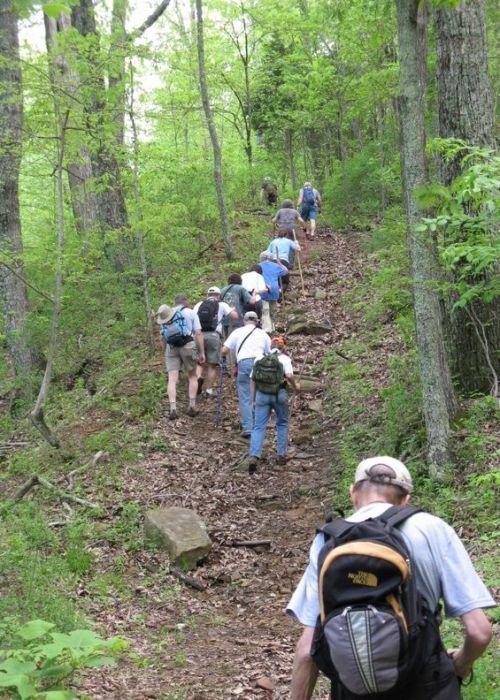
(175, 332)
(308, 196)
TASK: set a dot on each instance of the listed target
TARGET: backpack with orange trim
(374, 633)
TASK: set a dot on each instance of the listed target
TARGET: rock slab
(300, 322)
(181, 532)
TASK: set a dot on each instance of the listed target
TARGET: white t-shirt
(284, 359)
(443, 568)
(224, 310)
(256, 344)
(253, 280)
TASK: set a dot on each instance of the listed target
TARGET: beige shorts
(186, 357)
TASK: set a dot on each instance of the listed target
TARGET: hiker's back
(376, 631)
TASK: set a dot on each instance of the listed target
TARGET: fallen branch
(250, 543)
(185, 578)
(341, 354)
(63, 495)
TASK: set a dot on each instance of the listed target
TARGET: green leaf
(57, 695)
(21, 682)
(13, 666)
(54, 9)
(96, 661)
(34, 629)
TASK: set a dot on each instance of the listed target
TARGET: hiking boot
(281, 460)
(192, 412)
(245, 434)
(252, 464)
(210, 393)
(200, 385)
(173, 415)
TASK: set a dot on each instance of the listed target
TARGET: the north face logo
(363, 578)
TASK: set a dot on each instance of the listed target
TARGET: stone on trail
(300, 322)
(181, 532)
(320, 294)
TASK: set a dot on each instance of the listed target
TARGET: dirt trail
(219, 642)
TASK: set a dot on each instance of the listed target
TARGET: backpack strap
(243, 341)
(175, 316)
(395, 515)
(227, 290)
(335, 528)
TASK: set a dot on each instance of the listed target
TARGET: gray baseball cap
(384, 470)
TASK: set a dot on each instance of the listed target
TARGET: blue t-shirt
(271, 273)
(282, 247)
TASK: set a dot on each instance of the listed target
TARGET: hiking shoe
(210, 393)
(200, 385)
(252, 464)
(173, 415)
(281, 460)
(192, 412)
(245, 434)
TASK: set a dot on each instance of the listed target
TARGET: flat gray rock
(298, 324)
(181, 532)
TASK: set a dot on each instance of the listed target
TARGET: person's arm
(304, 671)
(200, 342)
(290, 377)
(477, 637)
(299, 201)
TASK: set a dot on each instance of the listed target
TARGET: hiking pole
(306, 247)
(300, 266)
(218, 408)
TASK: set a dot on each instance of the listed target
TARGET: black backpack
(268, 373)
(374, 633)
(208, 313)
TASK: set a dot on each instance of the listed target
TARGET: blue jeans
(246, 413)
(264, 404)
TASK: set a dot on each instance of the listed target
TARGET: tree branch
(149, 21)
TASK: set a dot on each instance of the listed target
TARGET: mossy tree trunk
(437, 391)
(466, 112)
(13, 294)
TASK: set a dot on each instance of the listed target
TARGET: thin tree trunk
(466, 112)
(36, 415)
(291, 159)
(140, 219)
(13, 293)
(219, 188)
(116, 74)
(438, 396)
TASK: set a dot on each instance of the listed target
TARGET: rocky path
(231, 639)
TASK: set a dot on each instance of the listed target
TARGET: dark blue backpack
(308, 196)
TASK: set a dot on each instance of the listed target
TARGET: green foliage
(38, 668)
(467, 221)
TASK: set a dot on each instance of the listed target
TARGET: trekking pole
(306, 247)
(218, 408)
(300, 266)
(292, 406)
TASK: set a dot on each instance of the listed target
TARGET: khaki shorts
(213, 344)
(186, 357)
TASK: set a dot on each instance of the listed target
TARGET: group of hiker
(287, 218)
(370, 596)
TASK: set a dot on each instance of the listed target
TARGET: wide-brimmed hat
(307, 184)
(164, 314)
(384, 470)
(214, 290)
(250, 316)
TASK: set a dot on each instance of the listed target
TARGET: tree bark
(466, 112)
(219, 187)
(13, 293)
(110, 197)
(78, 167)
(438, 398)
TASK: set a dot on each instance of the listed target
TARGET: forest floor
(232, 639)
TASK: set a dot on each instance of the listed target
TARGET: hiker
(271, 374)
(247, 343)
(182, 339)
(287, 219)
(211, 313)
(281, 248)
(236, 296)
(272, 272)
(442, 569)
(268, 191)
(309, 204)
(254, 282)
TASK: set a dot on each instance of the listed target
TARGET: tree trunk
(291, 159)
(79, 167)
(466, 112)
(116, 73)
(437, 391)
(110, 198)
(13, 293)
(219, 188)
